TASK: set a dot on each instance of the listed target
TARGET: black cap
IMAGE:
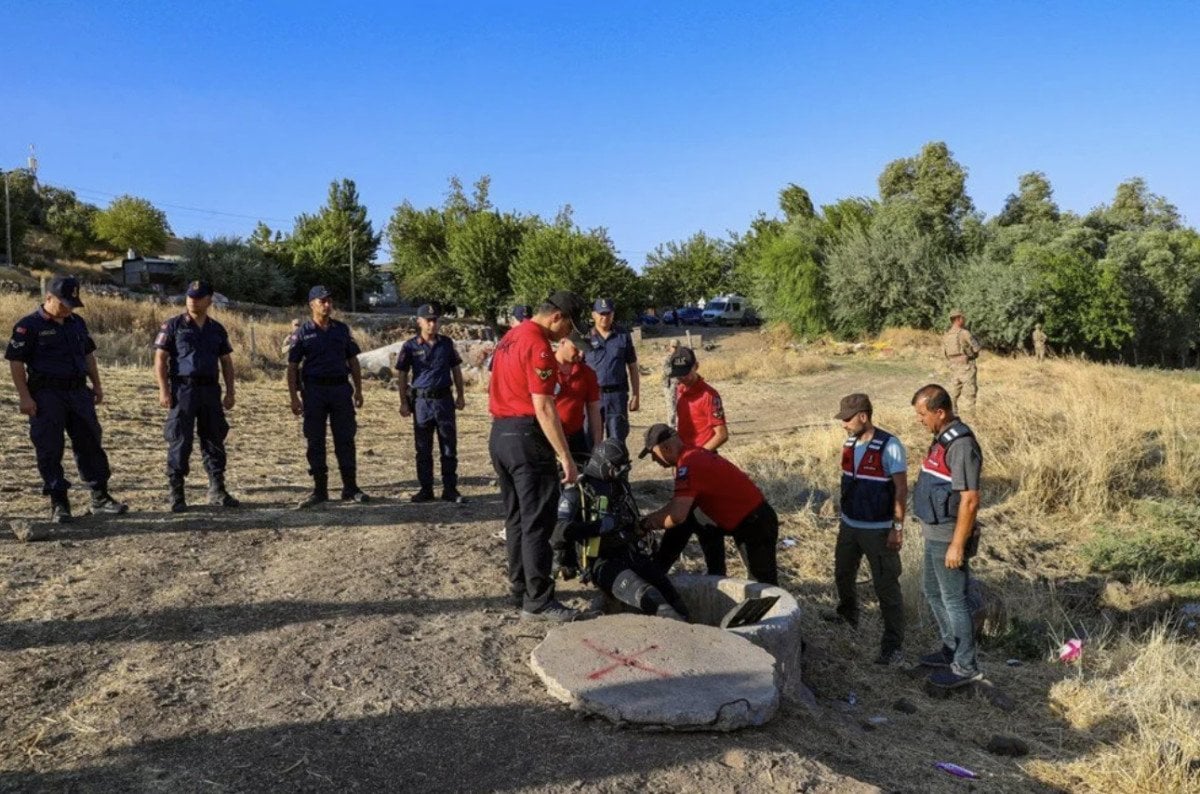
(682, 362)
(569, 304)
(427, 312)
(318, 292)
(852, 405)
(66, 289)
(199, 289)
(655, 435)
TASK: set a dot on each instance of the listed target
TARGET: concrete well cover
(654, 672)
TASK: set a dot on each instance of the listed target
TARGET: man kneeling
(596, 537)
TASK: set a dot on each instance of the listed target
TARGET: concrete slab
(653, 672)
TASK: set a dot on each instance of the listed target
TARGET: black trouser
(432, 414)
(72, 411)
(528, 476)
(604, 573)
(333, 405)
(710, 537)
(196, 409)
(852, 545)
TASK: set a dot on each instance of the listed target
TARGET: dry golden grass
(772, 363)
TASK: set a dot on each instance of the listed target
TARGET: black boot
(60, 508)
(217, 495)
(350, 490)
(178, 502)
(103, 502)
(320, 492)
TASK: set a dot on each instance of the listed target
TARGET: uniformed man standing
(189, 350)
(1039, 342)
(435, 365)
(611, 354)
(668, 381)
(701, 414)
(325, 358)
(961, 348)
(577, 400)
(51, 357)
(526, 437)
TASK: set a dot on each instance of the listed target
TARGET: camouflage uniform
(1039, 343)
(668, 384)
(961, 348)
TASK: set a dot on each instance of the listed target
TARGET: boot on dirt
(60, 509)
(103, 502)
(320, 492)
(350, 490)
(217, 495)
(178, 502)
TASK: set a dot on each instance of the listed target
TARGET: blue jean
(946, 591)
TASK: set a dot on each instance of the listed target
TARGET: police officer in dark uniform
(189, 350)
(526, 438)
(434, 363)
(610, 352)
(325, 357)
(51, 357)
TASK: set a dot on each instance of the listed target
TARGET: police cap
(66, 289)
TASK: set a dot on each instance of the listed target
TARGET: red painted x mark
(628, 660)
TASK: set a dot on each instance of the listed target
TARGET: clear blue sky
(654, 120)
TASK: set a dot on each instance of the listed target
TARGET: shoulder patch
(718, 410)
(543, 374)
(681, 473)
(20, 329)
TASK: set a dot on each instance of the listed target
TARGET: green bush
(1163, 545)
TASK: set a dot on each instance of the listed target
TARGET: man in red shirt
(526, 437)
(706, 481)
(577, 397)
(701, 416)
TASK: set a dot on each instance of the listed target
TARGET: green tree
(935, 184)
(678, 273)
(420, 245)
(1086, 306)
(560, 255)
(1033, 202)
(131, 222)
(789, 286)
(1135, 207)
(69, 220)
(796, 203)
(238, 270)
(24, 211)
(481, 253)
(321, 243)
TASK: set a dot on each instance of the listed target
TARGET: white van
(725, 310)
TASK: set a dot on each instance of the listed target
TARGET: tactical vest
(934, 500)
(608, 509)
(868, 494)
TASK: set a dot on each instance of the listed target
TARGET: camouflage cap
(956, 313)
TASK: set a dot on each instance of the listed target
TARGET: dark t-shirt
(51, 348)
(323, 353)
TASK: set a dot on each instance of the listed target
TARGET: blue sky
(654, 120)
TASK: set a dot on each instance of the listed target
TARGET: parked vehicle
(725, 310)
(684, 315)
(649, 319)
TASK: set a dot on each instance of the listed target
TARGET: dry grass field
(369, 647)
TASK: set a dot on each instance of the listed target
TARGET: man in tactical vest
(946, 500)
(961, 348)
(1039, 342)
(596, 537)
(874, 493)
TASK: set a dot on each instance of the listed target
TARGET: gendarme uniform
(194, 353)
(961, 348)
(324, 355)
(55, 354)
(610, 359)
(430, 395)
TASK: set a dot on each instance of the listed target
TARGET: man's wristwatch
(897, 526)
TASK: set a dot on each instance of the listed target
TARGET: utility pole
(8, 251)
(353, 307)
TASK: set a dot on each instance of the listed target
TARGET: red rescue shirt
(720, 489)
(522, 366)
(699, 412)
(575, 390)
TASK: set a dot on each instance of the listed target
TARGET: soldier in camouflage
(961, 348)
(1039, 342)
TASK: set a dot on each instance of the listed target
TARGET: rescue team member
(946, 500)
(611, 354)
(526, 437)
(577, 400)
(324, 356)
(701, 415)
(435, 364)
(51, 357)
(706, 481)
(874, 493)
(188, 351)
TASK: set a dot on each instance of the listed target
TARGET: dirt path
(352, 648)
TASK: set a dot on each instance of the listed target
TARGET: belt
(196, 380)
(431, 394)
(613, 389)
(47, 382)
(333, 380)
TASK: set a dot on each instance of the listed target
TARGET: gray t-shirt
(965, 459)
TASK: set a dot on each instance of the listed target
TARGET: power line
(180, 207)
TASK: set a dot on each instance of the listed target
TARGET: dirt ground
(371, 647)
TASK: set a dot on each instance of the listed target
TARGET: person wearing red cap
(526, 437)
(706, 481)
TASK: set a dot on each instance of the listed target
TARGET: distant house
(135, 270)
